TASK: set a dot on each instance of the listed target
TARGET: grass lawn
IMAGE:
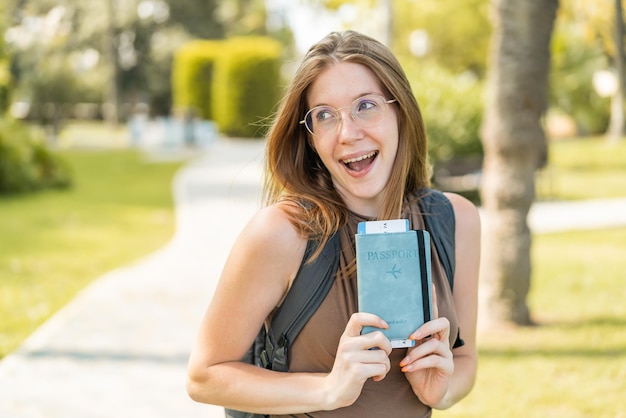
(54, 243)
(573, 364)
(588, 168)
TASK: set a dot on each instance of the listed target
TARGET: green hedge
(192, 76)
(25, 163)
(246, 85)
(233, 82)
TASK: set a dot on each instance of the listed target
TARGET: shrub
(232, 82)
(192, 77)
(25, 163)
(246, 84)
(574, 63)
(452, 107)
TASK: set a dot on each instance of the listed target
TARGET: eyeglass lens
(367, 112)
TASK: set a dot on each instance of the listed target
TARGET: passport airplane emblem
(394, 271)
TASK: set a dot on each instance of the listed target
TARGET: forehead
(340, 84)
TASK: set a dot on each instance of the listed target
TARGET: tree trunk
(617, 122)
(112, 112)
(514, 145)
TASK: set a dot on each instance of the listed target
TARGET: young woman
(347, 145)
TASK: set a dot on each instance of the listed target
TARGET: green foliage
(52, 92)
(79, 36)
(337, 4)
(198, 17)
(25, 163)
(458, 31)
(234, 82)
(575, 59)
(242, 17)
(452, 107)
(5, 74)
(5, 83)
(192, 77)
(246, 84)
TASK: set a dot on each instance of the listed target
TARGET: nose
(348, 128)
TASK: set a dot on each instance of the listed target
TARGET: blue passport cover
(394, 280)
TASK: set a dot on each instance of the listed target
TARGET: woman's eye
(324, 115)
(365, 105)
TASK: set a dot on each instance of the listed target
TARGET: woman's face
(359, 157)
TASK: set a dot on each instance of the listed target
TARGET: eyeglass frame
(354, 118)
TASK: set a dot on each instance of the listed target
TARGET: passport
(394, 280)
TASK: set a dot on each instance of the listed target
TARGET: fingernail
(403, 362)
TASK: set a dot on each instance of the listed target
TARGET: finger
(429, 362)
(431, 346)
(439, 328)
(432, 353)
(359, 320)
(384, 369)
(362, 355)
(378, 341)
(378, 358)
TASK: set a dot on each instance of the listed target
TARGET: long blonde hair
(294, 172)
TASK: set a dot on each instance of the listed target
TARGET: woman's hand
(359, 357)
(429, 365)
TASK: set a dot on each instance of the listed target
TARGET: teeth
(362, 157)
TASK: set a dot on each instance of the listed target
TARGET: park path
(120, 348)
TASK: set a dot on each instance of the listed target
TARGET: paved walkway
(120, 348)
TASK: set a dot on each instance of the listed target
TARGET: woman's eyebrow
(355, 98)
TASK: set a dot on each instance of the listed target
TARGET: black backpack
(315, 279)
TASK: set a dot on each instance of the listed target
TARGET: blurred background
(67, 61)
(103, 102)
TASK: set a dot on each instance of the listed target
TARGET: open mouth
(360, 163)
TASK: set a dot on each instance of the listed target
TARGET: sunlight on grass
(573, 364)
(92, 134)
(54, 243)
(583, 169)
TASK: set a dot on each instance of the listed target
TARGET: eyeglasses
(366, 112)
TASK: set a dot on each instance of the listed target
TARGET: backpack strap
(307, 292)
(439, 219)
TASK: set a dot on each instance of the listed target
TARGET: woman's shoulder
(433, 198)
(272, 228)
(269, 248)
(467, 218)
(464, 209)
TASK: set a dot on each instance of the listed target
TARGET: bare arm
(257, 275)
(441, 377)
